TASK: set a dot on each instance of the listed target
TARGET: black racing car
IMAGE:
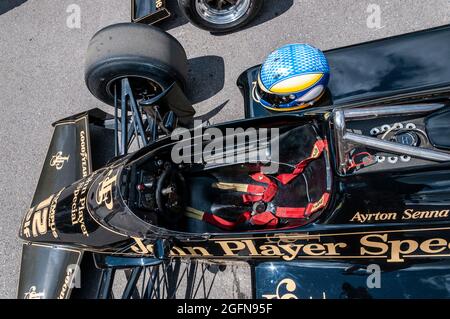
(216, 16)
(357, 205)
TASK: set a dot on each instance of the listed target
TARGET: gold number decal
(39, 226)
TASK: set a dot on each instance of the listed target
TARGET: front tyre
(150, 58)
(220, 15)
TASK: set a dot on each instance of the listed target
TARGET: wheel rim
(187, 279)
(143, 87)
(222, 11)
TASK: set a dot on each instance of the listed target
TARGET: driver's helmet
(293, 77)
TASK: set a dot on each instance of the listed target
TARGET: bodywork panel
(149, 11)
(68, 158)
(48, 272)
(80, 144)
(375, 70)
(342, 280)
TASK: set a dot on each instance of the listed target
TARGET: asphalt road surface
(41, 69)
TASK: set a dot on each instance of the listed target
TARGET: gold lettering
(52, 217)
(39, 225)
(251, 247)
(417, 215)
(84, 155)
(407, 214)
(270, 250)
(411, 214)
(228, 248)
(443, 213)
(331, 248)
(66, 284)
(197, 251)
(314, 250)
(382, 247)
(397, 251)
(292, 250)
(427, 245)
(362, 218)
(177, 251)
(358, 217)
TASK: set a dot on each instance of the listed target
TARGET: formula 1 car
(213, 15)
(348, 199)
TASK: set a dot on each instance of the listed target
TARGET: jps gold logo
(104, 194)
(58, 160)
(33, 294)
(289, 285)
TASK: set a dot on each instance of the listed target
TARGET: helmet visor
(275, 100)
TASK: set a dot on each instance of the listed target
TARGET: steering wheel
(171, 195)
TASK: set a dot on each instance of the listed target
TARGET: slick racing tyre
(220, 15)
(150, 58)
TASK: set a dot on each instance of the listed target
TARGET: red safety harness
(265, 194)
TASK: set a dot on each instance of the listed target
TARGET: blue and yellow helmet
(292, 77)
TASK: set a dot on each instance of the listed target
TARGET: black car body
(385, 220)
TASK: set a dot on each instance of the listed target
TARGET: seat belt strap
(318, 149)
(216, 220)
(270, 219)
(260, 193)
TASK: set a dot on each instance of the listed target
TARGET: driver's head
(293, 77)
